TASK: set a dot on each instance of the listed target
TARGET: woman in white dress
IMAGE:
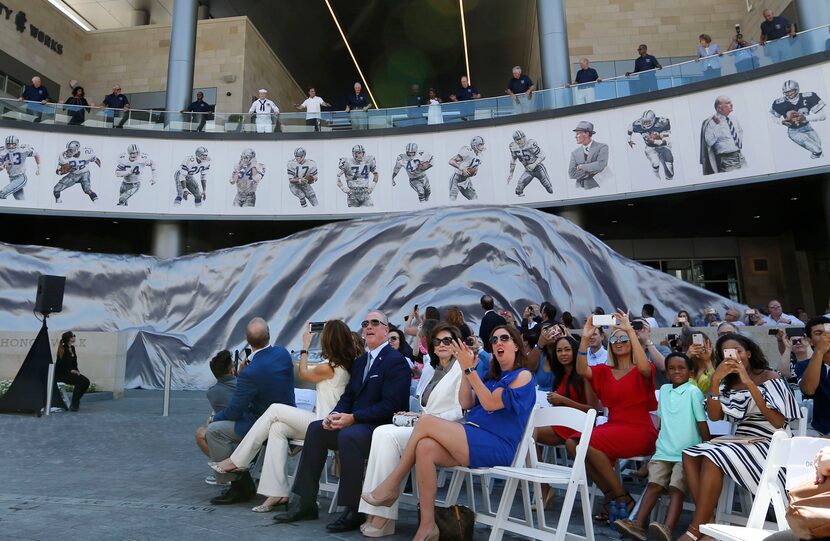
(281, 423)
(434, 115)
(440, 399)
(744, 390)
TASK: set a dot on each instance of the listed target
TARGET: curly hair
(757, 360)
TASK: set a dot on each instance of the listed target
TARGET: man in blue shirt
(357, 103)
(520, 88)
(585, 77)
(202, 109)
(647, 82)
(116, 102)
(35, 92)
(775, 27)
(466, 92)
(814, 374)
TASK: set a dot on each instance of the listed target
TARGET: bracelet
(469, 370)
(714, 397)
(303, 352)
(582, 353)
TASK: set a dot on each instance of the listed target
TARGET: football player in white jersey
(527, 152)
(796, 110)
(246, 176)
(416, 164)
(131, 165)
(13, 161)
(73, 164)
(466, 164)
(191, 178)
(656, 133)
(356, 170)
(302, 173)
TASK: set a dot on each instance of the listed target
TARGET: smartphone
(749, 312)
(671, 337)
(637, 325)
(697, 339)
(316, 326)
(730, 354)
(772, 332)
(416, 308)
(236, 361)
(794, 331)
(827, 327)
(603, 320)
(247, 353)
(681, 319)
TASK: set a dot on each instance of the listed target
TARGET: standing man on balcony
(585, 77)
(773, 28)
(312, 106)
(35, 92)
(357, 104)
(117, 102)
(264, 111)
(647, 82)
(520, 88)
(200, 109)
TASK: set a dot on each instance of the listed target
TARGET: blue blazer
(384, 393)
(269, 379)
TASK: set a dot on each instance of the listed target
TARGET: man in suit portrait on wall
(721, 140)
(379, 388)
(589, 159)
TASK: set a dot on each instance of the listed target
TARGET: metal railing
(734, 61)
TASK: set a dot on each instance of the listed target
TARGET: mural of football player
(302, 173)
(655, 131)
(416, 163)
(131, 165)
(356, 170)
(466, 164)
(191, 177)
(796, 109)
(13, 161)
(527, 152)
(73, 165)
(246, 176)
(589, 159)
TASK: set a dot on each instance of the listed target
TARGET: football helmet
(133, 151)
(202, 154)
(248, 156)
(299, 153)
(648, 119)
(358, 152)
(790, 89)
(411, 149)
(519, 137)
(72, 148)
(11, 142)
(477, 144)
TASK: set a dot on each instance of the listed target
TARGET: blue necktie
(368, 367)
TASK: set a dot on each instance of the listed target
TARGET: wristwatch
(302, 351)
(470, 370)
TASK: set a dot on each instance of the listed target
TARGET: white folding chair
(327, 484)
(573, 478)
(794, 454)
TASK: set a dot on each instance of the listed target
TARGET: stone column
(553, 46)
(813, 13)
(167, 239)
(182, 56)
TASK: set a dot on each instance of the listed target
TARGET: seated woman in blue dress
(500, 408)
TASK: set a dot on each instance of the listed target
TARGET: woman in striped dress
(745, 391)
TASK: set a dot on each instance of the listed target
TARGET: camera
(738, 31)
(316, 326)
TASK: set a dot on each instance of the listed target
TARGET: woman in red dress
(626, 387)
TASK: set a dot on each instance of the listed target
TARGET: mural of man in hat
(589, 159)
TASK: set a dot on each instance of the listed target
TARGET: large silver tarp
(183, 310)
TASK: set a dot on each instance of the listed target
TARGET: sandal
(602, 516)
(628, 502)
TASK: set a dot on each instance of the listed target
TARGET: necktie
(585, 153)
(734, 133)
(368, 367)
(261, 105)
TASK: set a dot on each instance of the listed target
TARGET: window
(717, 275)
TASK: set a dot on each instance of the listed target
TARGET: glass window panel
(719, 269)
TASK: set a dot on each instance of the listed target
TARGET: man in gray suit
(588, 159)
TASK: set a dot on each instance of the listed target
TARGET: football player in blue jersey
(656, 132)
(796, 110)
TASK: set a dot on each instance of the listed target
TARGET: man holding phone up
(814, 375)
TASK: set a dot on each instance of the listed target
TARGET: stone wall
(264, 70)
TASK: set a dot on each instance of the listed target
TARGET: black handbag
(456, 523)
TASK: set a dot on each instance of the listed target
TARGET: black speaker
(49, 294)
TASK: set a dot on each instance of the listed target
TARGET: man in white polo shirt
(312, 106)
(264, 110)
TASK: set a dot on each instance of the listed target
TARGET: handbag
(455, 523)
(808, 513)
(404, 420)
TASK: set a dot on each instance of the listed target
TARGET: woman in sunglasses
(626, 387)
(439, 398)
(500, 408)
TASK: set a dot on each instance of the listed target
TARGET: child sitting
(682, 424)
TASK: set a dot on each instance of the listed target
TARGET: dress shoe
(297, 512)
(387, 529)
(349, 520)
(389, 501)
(242, 490)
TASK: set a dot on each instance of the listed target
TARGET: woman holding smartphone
(281, 423)
(744, 390)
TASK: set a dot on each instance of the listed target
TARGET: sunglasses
(438, 341)
(500, 338)
(393, 338)
(471, 341)
(615, 339)
(373, 323)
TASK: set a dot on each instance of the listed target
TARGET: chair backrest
(526, 447)
(794, 454)
(799, 426)
(570, 418)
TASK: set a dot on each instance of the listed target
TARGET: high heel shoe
(432, 536)
(219, 469)
(387, 502)
(388, 528)
(282, 502)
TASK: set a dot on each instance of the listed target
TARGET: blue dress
(493, 437)
(544, 379)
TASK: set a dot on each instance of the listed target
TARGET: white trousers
(264, 124)
(388, 444)
(278, 425)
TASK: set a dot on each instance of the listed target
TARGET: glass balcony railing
(738, 60)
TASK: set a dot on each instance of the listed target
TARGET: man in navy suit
(378, 389)
(267, 379)
(490, 321)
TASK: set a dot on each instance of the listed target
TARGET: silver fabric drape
(185, 309)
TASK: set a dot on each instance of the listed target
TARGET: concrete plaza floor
(118, 470)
